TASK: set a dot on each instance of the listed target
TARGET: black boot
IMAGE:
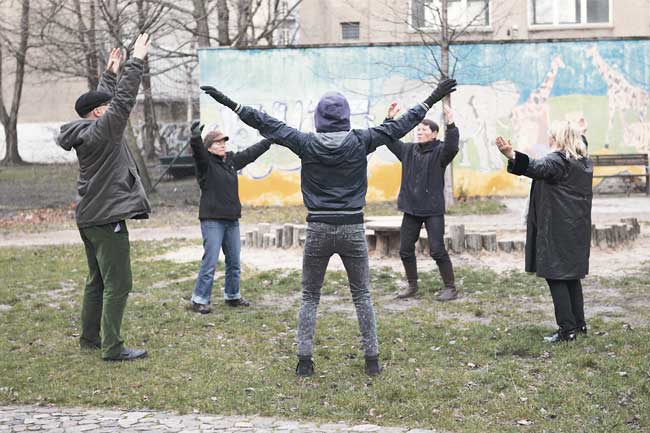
(305, 366)
(411, 271)
(372, 365)
(449, 292)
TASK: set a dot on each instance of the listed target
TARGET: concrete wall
(515, 90)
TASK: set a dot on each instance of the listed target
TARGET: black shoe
(89, 345)
(561, 336)
(129, 355)
(372, 366)
(581, 330)
(305, 367)
(241, 302)
(200, 308)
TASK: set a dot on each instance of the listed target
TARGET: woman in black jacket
(558, 234)
(219, 212)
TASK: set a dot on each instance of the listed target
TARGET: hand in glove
(445, 87)
(220, 97)
(196, 129)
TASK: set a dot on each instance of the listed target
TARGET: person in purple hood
(334, 182)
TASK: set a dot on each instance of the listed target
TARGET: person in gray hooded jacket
(334, 182)
(109, 192)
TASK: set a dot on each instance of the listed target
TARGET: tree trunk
(223, 23)
(201, 18)
(150, 126)
(12, 157)
(444, 73)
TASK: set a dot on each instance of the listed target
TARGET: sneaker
(560, 336)
(200, 308)
(241, 302)
(372, 366)
(305, 367)
(128, 355)
(581, 330)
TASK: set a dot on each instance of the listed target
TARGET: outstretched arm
(251, 153)
(396, 147)
(199, 152)
(270, 127)
(108, 80)
(393, 129)
(450, 146)
(112, 124)
(550, 167)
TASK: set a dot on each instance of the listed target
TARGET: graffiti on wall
(515, 90)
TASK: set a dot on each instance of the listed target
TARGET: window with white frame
(569, 12)
(460, 13)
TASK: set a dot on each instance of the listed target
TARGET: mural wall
(514, 90)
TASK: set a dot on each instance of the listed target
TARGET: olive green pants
(107, 286)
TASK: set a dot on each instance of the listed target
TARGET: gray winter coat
(558, 236)
(109, 187)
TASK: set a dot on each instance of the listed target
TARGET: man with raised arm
(109, 192)
(334, 181)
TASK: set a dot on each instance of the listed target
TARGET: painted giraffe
(621, 95)
(531, 120)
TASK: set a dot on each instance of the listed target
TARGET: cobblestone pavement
(73, 420)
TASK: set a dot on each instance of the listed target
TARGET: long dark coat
(558, 235)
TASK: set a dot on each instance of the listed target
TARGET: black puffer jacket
(422, 191)
(218, 181)
(558, 236)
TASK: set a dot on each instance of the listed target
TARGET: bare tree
(18, 52)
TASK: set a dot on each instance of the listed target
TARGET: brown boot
(411, 270)
(449, 292)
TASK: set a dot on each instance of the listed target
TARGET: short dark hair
(433, 126)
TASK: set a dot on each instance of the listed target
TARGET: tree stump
(257, 238)
(489, 241)
(371, 240)
(242, 240)
(506, 246)
(381, 245)
(473, 242)
(298, 230)
(519, 245)
(250, 240)
(287, 236)
(634, 225)
(279, 231)
(457, 234)
(447, 240)
(266, 240)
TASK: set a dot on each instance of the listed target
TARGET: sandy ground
(604, 262)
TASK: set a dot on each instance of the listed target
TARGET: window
(350, 30)
(569, 12)
(460, 13)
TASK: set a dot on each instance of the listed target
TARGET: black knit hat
(91, 100)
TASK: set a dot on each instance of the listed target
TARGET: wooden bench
(183, 166)
(630, 159)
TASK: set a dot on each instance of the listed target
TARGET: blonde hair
(568, 140)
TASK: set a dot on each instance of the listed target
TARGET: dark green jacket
(109, 187)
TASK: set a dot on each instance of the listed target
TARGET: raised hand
(141, 46)
(393, 109)
(505, 147)
(219, 97)
(114, 60)
(196, 129)
(445, 87)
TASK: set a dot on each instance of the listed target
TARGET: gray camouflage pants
(349, 242)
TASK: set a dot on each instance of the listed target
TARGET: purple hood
(332, 113)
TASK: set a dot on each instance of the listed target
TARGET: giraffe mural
(621, 95)
(531, 120)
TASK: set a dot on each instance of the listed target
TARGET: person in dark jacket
(334, 181)
(109, 192)
(422, 199)
(219, 212)
(558, 235)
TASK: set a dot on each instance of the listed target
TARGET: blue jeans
(217, 235)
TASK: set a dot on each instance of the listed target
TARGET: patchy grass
(477, 206)
(472, 365)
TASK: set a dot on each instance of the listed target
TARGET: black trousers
(410, 233)
(568, 303)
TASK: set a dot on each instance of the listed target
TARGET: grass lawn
(473, 365)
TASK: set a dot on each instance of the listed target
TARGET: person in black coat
(219, 212)
(558, 234)
(422, 199)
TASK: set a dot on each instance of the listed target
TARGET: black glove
(220, 97)
(196, 129)
(445, 87)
